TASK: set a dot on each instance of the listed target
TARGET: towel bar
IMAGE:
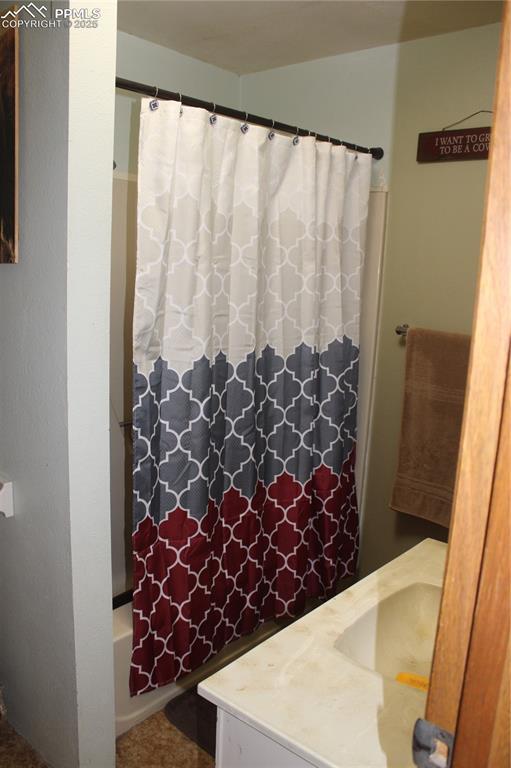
(402, 330)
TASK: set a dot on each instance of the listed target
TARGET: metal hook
(271, 133)
(244, 127)
(180, 103)
(212, 117)
(296, 137)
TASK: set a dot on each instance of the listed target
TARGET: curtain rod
(190, 101)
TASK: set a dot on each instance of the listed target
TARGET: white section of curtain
(243, 240)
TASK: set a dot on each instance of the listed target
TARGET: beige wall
(432, 252)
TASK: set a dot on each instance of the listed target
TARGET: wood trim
(482, 723)
(482, 415)
(501, 740)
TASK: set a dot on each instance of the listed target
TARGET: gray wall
(349, 96)
(147, 62)
(37, 660)
(55, 610)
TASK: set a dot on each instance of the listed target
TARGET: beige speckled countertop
(302, 691)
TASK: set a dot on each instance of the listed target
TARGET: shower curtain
(250, 252)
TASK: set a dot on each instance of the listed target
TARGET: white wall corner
(91, 128)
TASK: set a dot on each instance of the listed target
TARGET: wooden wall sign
(8, 145)
(445, 146)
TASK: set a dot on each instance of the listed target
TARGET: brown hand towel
(436, 373)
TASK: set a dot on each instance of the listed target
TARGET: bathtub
(132, 710)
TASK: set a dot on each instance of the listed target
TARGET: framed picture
(9, 43)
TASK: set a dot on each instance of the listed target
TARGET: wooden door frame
(481, 431)
(482, 730)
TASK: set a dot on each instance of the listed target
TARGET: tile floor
(155, 743)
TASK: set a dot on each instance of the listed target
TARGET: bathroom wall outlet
(6, 498)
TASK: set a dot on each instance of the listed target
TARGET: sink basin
(322, 692)
(397, 635)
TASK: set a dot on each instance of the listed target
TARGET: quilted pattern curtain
(250, 251)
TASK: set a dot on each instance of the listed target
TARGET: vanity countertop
(299, 689)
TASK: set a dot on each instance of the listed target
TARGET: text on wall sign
(446, 146)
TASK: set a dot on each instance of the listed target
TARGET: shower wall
(124, 227)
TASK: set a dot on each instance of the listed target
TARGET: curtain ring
(154, 104)
(244, 127)
(271, 134)
(212, 117)
(296, 138)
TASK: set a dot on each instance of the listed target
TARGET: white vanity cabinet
(239, 745)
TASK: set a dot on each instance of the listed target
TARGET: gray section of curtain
(220, 426)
